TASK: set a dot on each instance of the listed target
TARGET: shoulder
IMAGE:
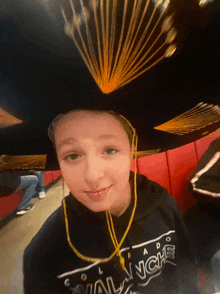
(215, 144)
(209, 155)
(154, 192)
(155, 199)
(43, 255)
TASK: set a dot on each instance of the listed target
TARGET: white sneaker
(25, 210)
(42, 194)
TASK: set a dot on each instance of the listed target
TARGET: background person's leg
(40, 185)
(28, 184)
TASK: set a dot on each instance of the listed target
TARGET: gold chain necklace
(110, 225)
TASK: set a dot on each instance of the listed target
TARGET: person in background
(204, 224)
(30, 182)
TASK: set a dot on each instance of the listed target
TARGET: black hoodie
(158, 255)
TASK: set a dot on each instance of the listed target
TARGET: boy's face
(93, 151)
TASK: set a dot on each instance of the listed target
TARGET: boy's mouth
(98, 194)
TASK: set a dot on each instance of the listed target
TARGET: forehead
(82, 123)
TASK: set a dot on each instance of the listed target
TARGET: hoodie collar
(145, 201)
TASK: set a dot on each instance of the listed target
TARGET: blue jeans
(40, 185)
(30, 184)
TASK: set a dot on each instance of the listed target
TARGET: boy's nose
(94, 172)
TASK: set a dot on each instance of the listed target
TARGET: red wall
(172, 169)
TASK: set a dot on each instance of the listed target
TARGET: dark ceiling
(42, 74)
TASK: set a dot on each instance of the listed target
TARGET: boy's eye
(110, 151)
(73, 156)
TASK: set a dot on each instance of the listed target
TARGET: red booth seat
(172, 169)
(9, 203)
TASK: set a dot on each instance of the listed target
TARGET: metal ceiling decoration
(202, 3)
(119, 42)
(44, 73)
(7, 119)
(198, 117)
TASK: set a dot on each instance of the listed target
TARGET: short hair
(121, 119)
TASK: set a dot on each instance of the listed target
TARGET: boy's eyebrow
(65, 142)
(106, 136)
(71, 140)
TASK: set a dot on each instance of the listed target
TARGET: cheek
(72, 178)
(124, 162)
(121, 169)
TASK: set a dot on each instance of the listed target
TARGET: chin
(99, 208)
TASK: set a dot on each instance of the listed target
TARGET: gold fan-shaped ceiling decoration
(120, 40)
(200, 116)
(204, 2)
(7, 120)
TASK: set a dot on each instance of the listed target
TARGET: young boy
(116, 232)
